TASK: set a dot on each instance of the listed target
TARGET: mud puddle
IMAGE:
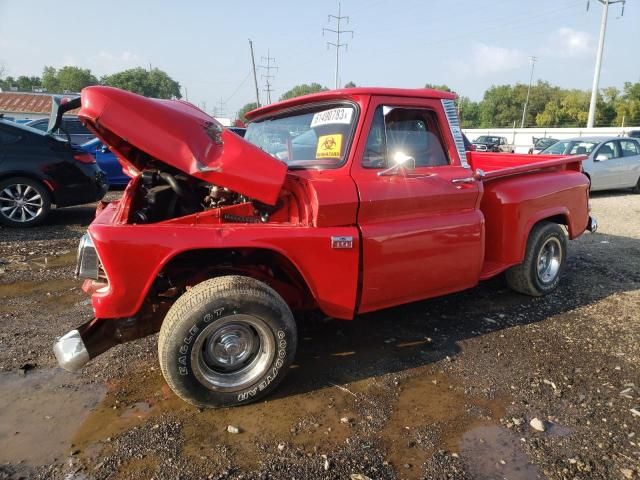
(40, 412)
(303, 422)
(432, 413)
(52, 296)
(494, 452)
(13, 263)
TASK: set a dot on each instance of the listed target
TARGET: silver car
(614, 162)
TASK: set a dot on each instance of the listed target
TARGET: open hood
(176, 133)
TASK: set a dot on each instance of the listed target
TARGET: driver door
(422, 231)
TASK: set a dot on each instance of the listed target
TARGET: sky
(469, 45)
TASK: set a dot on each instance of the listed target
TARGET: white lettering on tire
(282, 352)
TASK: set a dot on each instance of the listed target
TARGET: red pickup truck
(345, 201)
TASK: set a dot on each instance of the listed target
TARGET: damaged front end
(186, 170)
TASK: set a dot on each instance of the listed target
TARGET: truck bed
(498, 165)
(520, 190)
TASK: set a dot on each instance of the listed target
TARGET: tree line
(151, 83)
(549, 106)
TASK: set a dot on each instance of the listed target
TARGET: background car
(37, 170)
(614, 162)
(107, 161)
(71, 125)
(539, 144)
(492, 143)
(468, 146)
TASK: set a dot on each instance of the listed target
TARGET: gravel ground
(446, 388)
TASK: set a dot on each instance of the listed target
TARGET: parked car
(216, 242)
(491, 143)
(540, 144)
(107, 162)
(468, 146)
(71, 125)
(634, 134)
(612, 163)
(38, 170)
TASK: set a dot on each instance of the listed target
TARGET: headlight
(88, 262)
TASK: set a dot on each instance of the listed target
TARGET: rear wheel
(543, 263)
(227, 341)
(23, 202)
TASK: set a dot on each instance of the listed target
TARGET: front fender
(133, 255)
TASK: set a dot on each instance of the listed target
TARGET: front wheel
(227, 341)
(636, 189)
(544, 261)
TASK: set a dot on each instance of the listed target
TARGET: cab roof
(350, 94)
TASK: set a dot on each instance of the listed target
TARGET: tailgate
(498, 165)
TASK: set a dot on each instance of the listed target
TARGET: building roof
(19, 102)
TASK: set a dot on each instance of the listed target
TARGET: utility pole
(596, 75)
(268, 67)
(221, 112)
(255, 78)
(533, 61)
(337, 45)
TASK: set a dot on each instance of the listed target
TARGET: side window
(629, 148)
(375, 153)
(42, 126)
(8, 137)
(411, 132)
(608, 151)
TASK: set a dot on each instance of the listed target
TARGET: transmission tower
(268, 77)
(338, 18)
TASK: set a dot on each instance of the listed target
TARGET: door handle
(463, 180)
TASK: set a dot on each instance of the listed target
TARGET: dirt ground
(445, 388)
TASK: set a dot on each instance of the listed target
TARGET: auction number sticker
(329, 146)
(333, 116)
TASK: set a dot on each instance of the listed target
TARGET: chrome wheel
(232, 353)
(549, 260)
(20, 203)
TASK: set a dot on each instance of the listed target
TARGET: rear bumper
(592, 224)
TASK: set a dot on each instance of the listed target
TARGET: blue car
(107, 161)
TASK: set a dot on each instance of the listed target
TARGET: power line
(338, 18)
(268, 77)
(596, 74)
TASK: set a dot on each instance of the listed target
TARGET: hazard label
(329, 146)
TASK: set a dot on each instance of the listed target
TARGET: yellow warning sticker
(329, 146)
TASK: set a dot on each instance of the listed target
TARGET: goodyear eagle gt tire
(227, 341)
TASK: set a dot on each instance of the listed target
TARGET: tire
(544, 261)
(227, 341)
(23, 202)
(636, 189)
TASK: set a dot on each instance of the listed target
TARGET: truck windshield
(317, 137)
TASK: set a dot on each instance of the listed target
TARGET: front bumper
(592, 224)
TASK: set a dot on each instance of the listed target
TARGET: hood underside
(176, 133)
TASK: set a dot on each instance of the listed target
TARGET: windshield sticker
(329, 146)
(333, 116)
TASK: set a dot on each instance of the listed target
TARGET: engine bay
(163, 194)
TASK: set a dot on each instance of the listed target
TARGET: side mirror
(401, 164)
(601, 157)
